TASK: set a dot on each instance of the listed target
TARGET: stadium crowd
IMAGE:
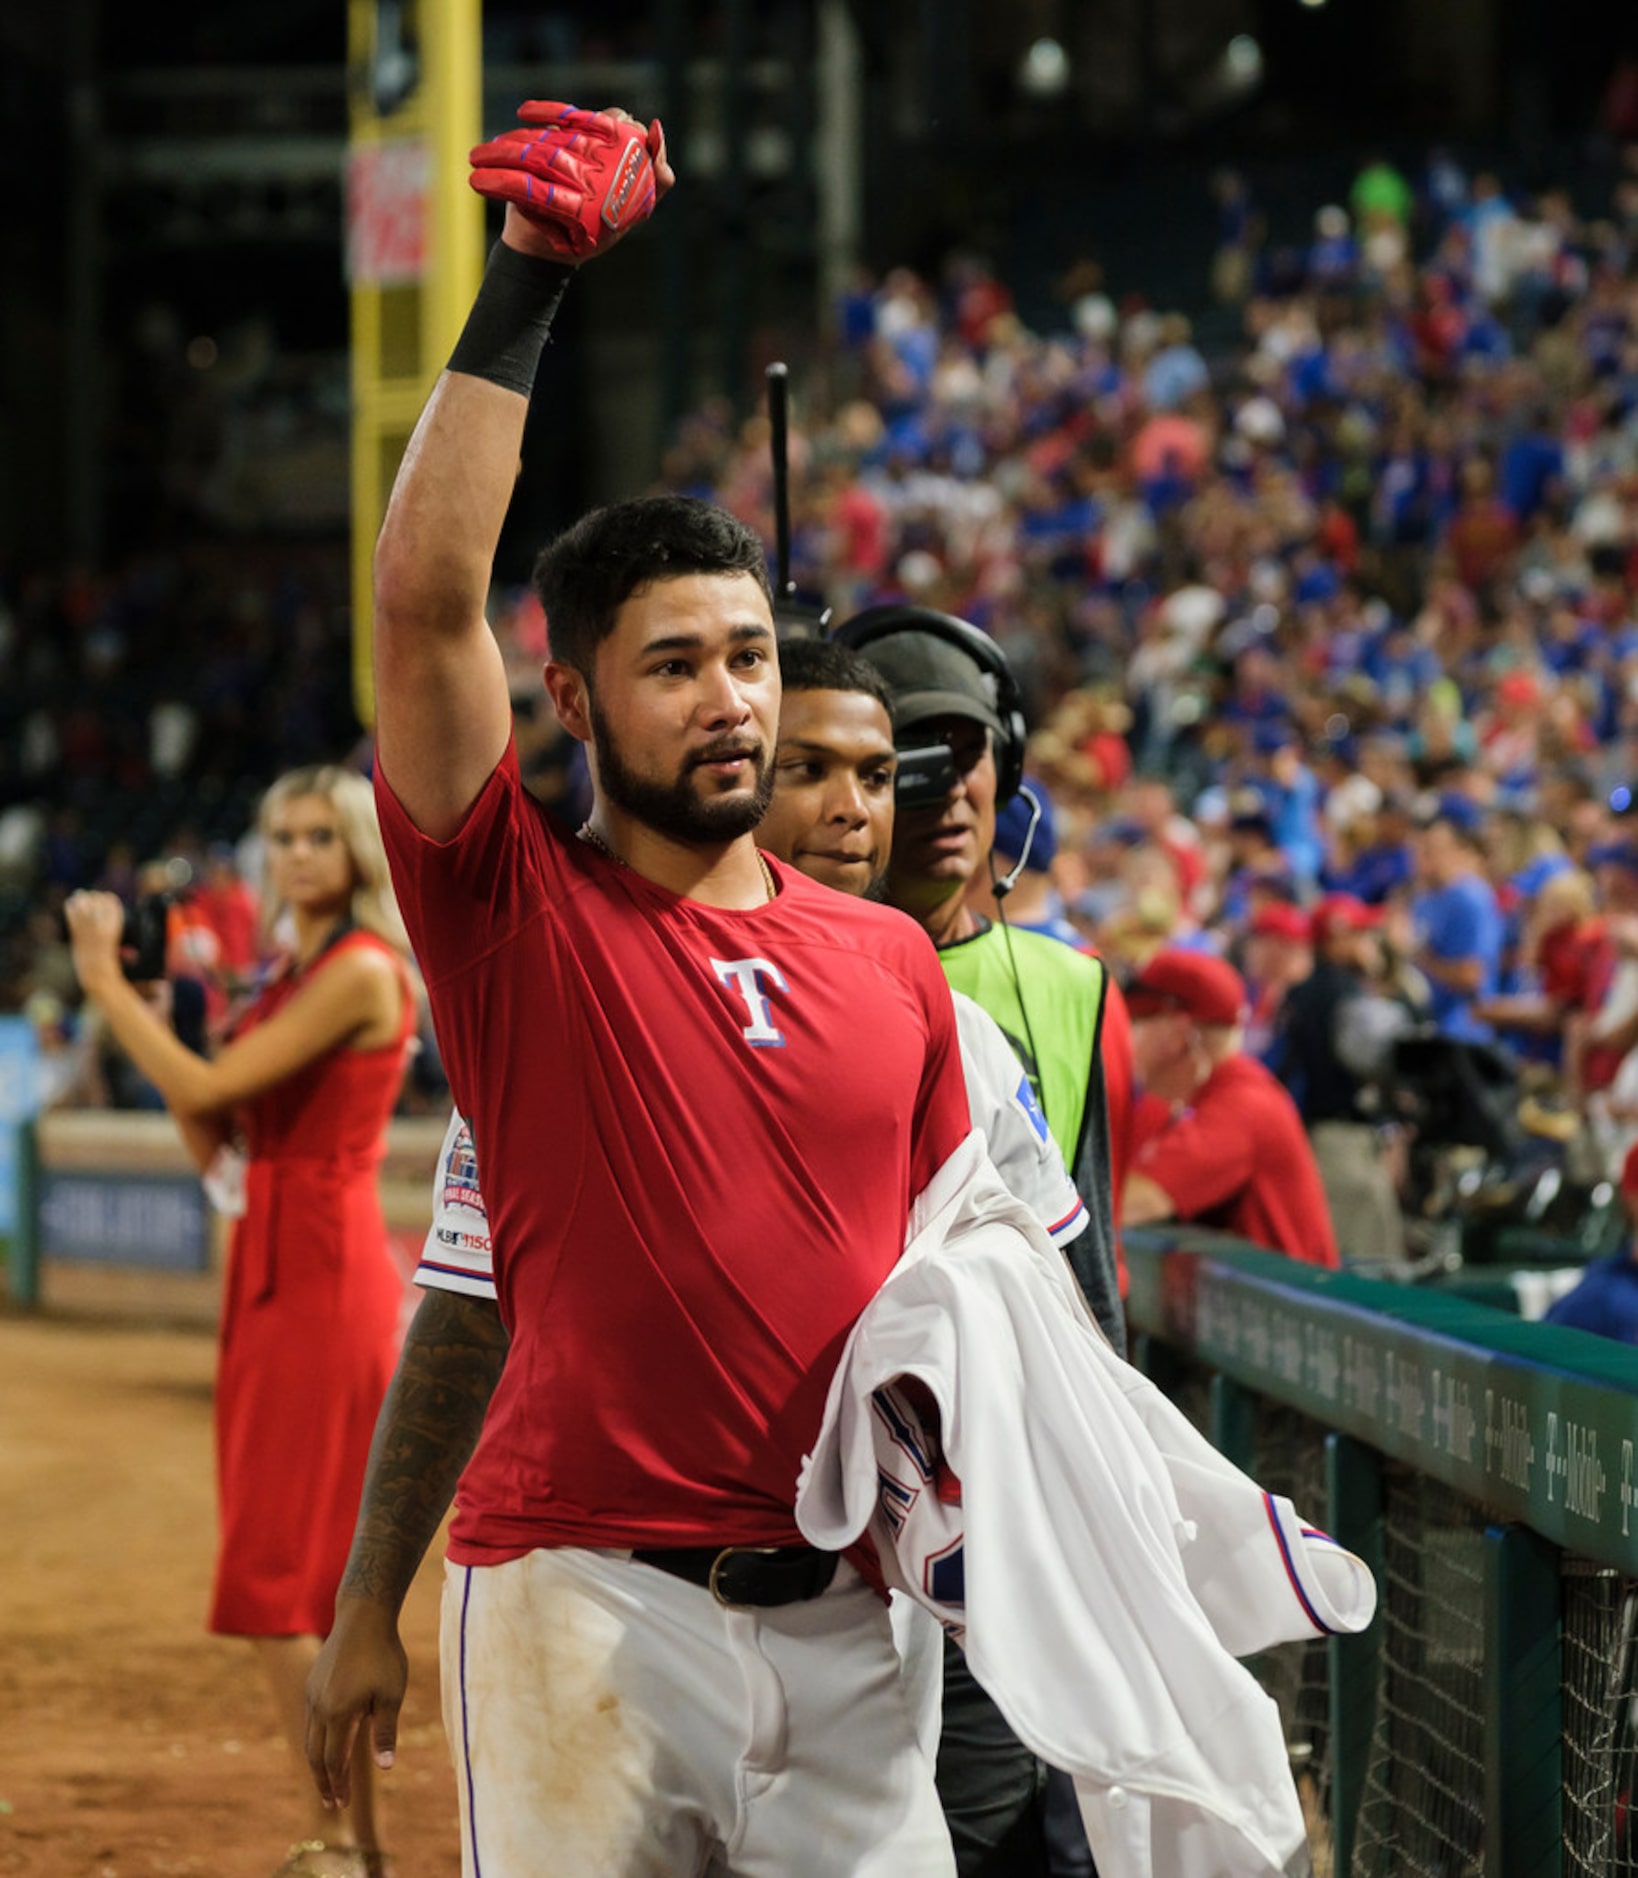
(1328, 636)
(1330, 639)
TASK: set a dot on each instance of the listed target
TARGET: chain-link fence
(1600, 1721)
(1422, 1815)
(1487, 1721)
(1422, 1810)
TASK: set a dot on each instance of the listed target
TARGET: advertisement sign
(387, 212)
(19, 1099)
(159, 1220)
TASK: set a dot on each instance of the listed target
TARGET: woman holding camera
(313, 1302)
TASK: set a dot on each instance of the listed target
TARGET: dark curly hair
(823, 665)
(587, 574)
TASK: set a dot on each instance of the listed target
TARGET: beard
(677, 809)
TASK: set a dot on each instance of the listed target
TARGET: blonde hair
(374, 906)
(1565, 896)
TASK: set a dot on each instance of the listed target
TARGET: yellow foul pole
(414, 246)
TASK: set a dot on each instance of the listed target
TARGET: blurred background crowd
(1322, 601)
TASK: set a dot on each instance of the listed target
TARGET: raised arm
(574, 182)
(442, 709)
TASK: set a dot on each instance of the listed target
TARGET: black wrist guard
(506, 330)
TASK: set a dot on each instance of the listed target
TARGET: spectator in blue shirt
(1334, 256)
(1254, 856)
(1458, 919)
(1402, 670)
(1291, 790)
(1532, 467)
(1177, 372)
(1606, 1300)
(1379, 869)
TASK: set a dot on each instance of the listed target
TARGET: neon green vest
(1063, 991)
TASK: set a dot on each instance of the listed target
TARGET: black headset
(879, 622)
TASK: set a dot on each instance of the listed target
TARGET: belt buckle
(728, 1552)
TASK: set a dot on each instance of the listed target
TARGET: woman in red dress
(312, 1308)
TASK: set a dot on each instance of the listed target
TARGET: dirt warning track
(131, 1743)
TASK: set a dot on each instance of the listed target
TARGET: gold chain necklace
(593, 839)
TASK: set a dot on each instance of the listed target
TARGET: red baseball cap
(1207, 987)
(1279, 919)
(1343, 912)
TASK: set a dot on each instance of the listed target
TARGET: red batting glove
(583, 178)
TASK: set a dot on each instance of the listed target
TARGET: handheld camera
(925, 776)
(143, 938)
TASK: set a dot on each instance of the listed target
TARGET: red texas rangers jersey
(700, 1132)
(458, 1253)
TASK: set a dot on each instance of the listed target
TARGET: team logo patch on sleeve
(1024, 1096)
(458, 1254)
(459, 1191)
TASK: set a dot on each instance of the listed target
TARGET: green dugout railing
(1487, 1468)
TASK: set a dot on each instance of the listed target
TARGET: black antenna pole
(778, 416)
(793, 618)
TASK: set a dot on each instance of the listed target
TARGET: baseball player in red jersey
(831, 818)
(696, 1178)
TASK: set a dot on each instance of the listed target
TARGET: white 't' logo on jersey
(745, 976)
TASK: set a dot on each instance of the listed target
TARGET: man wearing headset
(959, 729)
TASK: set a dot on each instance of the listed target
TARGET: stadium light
(1243, 62)
(1044, 72)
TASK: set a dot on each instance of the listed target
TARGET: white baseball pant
(610, 1721)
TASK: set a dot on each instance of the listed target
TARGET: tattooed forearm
(427, 1429)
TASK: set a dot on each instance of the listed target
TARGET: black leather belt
(748, 1577)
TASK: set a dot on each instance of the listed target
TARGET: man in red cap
(1279, 954)
(1332, 1026)
(1232, 1152)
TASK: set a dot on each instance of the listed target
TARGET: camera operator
(1323, 1046)
(957, 717)
(1601, 1048)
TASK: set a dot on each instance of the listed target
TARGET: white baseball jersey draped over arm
(1102, 1564)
